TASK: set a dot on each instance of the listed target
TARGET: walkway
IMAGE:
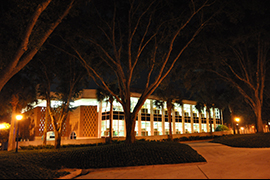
(223, 162)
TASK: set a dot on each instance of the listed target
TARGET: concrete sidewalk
(223, 162)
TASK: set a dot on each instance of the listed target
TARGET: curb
(73, 173)
(195, 141)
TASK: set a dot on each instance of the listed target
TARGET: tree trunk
(46, 125)
(130, 125)
(57, 142)
(13, 129)
(259, 119)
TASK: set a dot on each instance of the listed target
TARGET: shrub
(245, 140)
(184, 138)
(222, 128)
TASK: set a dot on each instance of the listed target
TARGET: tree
(101, 96)
(240, 57)
(45, 75)
(71, 77)
(17, 48)
(168, 91)
(18, 93)
(136, 38)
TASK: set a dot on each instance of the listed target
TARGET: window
(145, 128)
(178, 118)
(195, 120)
(145, 117)
(144, 110)
(73, 135)
(158, 117)
(156, 111)
(157, 128)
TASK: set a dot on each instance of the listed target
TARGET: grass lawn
(260, 140)
(45, 163)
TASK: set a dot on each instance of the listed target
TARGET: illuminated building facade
(91, 118)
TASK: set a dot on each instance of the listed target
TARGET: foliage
(235, 50)
(21, 85)
(139, 41)
(258, 140)
(42, 164)
(222, 128)
(192, 138)
(24, 27)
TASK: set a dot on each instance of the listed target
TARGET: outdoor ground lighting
(18, 118)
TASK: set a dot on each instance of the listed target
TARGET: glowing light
(19, 117)
(237, 119)
(252, 126)
(4, 126)
(242, 128)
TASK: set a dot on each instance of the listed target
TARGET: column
(200, 122)
(152, 117)
(214, 118)
(183, 119)
(221, 116)
(191, 119)
(139, 123)
(99, 119)
(207, 121)
(173, 121)
(163, 120)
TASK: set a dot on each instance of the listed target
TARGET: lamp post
(237, 120)
(18, 118)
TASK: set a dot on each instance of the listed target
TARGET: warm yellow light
(237, 119)
(242, 128)
(266, 126)
(252, 126)
(4, 126)
(19, 117)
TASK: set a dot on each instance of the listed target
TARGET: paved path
(223, 162)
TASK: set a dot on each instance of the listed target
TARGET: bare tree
(71, 76)
(139, 37)
(31, 40)
(248, 75)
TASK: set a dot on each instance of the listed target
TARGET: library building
(90, 118)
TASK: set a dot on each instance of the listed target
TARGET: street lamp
(18, 118)
(237, 120)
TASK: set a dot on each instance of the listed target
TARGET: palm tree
(167, 92)
(102, 94)
(200, 107)
(18, 93)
